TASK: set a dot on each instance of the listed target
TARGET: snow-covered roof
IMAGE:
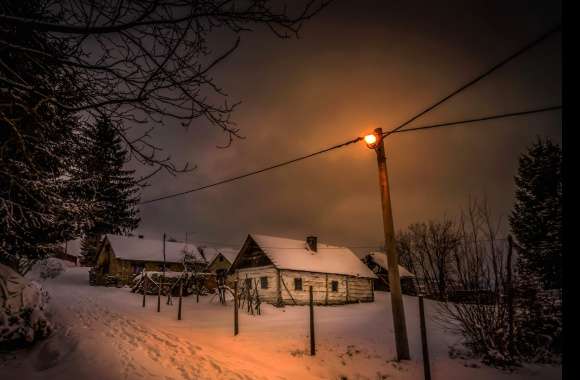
(139, 249)
(295, 255)
(212, 252)
(380, 258)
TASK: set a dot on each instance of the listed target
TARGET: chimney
(312, 242)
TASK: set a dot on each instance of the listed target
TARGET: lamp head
(372, 140)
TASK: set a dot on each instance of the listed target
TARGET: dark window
(334, 286)
(137, 268)
(297, 284)
(264, 282)
(221, 259)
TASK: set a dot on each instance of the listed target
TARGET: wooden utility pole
(402, 343)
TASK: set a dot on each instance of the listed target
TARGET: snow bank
(23, 308)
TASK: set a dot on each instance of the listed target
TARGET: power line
(479, 77)
(447, 124)
(482, 118)
(394, 130)
(254, 172)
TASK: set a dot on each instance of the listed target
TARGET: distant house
(220, 259)
(283, 270)
(123, 257)
(378, 263)
(70, 251)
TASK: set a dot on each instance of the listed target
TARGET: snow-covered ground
(104, 333)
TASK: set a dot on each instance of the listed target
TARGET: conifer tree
(39, 207)
(111, 188)
(536, 219)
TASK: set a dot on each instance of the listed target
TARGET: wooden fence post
(159, 298)
(510, 297)
(236, 308)
(179, 304)
(425, 347)
(312, 341)
(144, 289)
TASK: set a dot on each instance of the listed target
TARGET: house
(378, 263)
(70, 251)
(282, 270)
(123, 257)
(221, 259)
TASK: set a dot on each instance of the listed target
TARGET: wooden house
(123, 257)
(282, 270)
(378, 263)
(220, 259)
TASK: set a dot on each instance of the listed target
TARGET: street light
(371, 141)
(375, 141)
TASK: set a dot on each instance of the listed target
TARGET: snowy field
(104, 333)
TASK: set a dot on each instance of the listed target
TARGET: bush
(23, 309)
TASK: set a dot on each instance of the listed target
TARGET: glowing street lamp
(375, 141)
(371, 141)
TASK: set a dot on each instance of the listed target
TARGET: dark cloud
(356, 67)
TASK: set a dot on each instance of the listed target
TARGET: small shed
(379, 264)
(282, 270)
(124, 257)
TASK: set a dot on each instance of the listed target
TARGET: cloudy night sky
(355, 68)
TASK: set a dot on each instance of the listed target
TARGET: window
(334, 286)
(137, 268)
(264, 282)
(248, 283)
(298, 283)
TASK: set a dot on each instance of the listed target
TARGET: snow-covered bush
(45, 269)
(23, 309)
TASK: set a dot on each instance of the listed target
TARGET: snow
(104, 333)
(294, 255)
(380, 258)
(23, 308)
(139, 249)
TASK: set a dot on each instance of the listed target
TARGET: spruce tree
(39, 206)
(536, 219)
(111, 189)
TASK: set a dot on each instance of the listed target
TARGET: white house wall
(350, 289)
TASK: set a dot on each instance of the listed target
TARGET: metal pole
(425, 347)
(312, 339)
(402, 343)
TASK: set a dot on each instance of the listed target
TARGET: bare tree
(145, 61)
(479, 310)
(65, 63)
(426, 249)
